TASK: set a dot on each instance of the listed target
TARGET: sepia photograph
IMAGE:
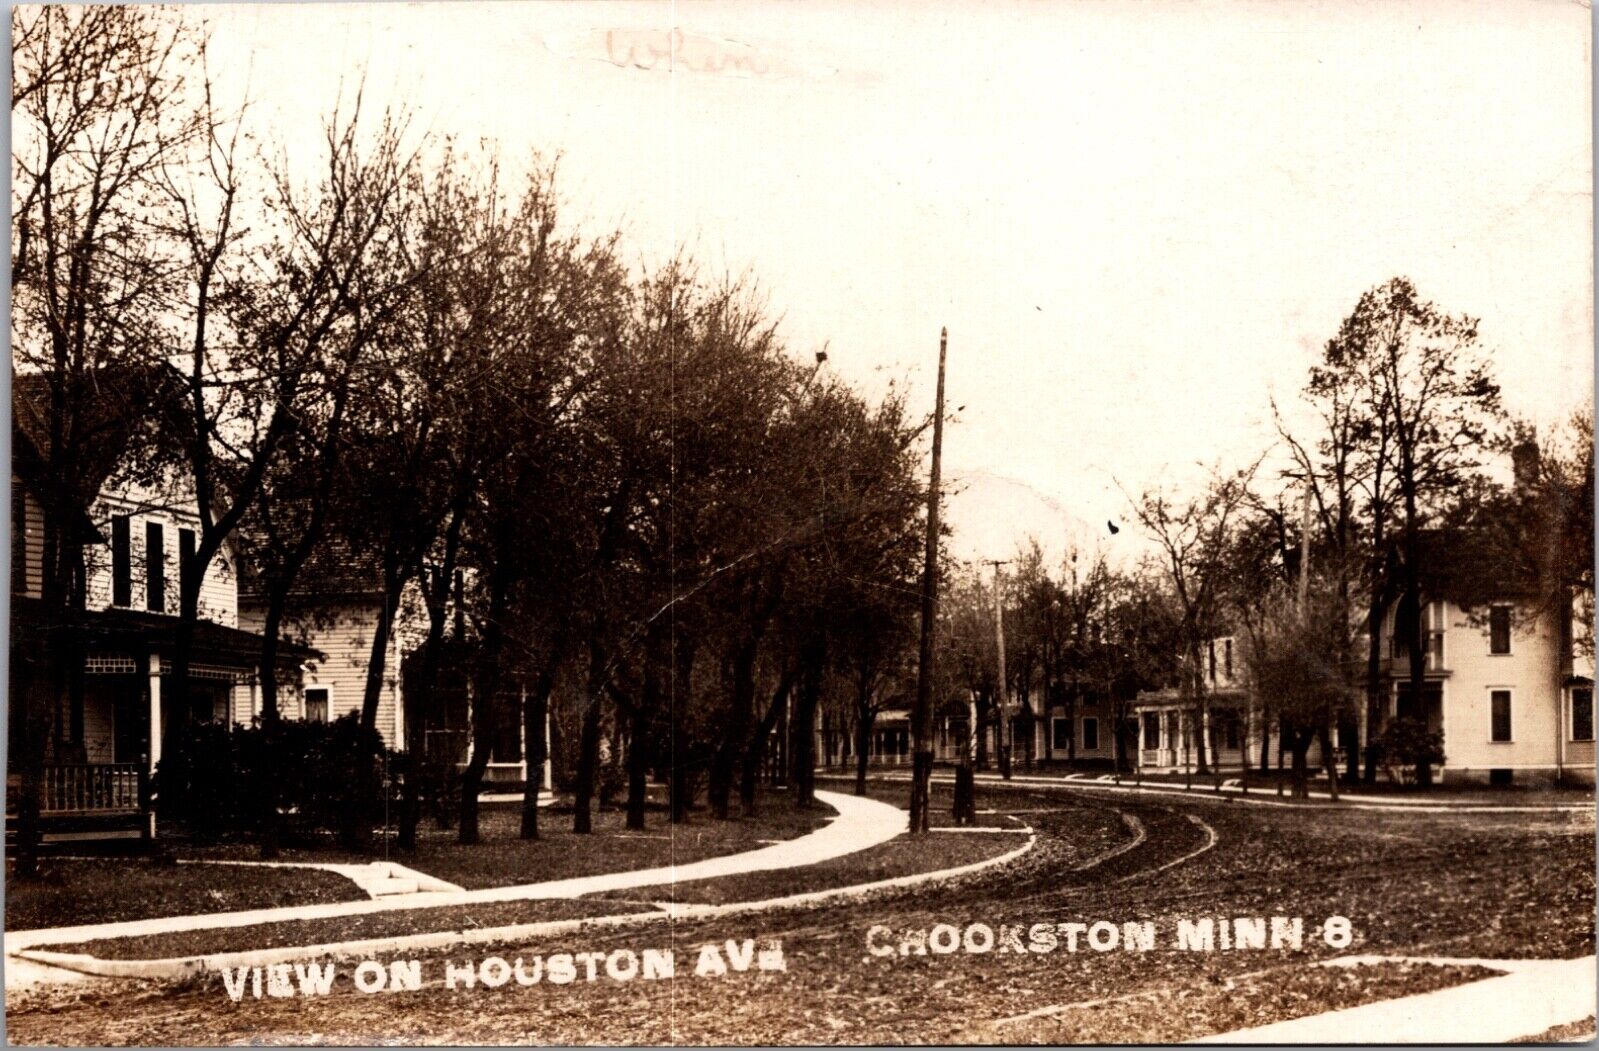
(828, 524)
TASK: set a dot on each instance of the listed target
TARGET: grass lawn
(502, 859)
(898, 857)
(344, 928)
(73, 892)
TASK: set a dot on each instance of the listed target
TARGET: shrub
(1406, 741)
(220, 782)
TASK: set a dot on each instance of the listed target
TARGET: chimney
(1525, 460)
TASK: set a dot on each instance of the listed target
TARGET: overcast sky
(1137, 221)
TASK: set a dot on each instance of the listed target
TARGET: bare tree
(1192, 538)
(101, 102)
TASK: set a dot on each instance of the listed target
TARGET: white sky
(1136, 220)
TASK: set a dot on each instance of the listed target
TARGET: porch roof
(138, 631)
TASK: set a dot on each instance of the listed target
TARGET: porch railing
(92, 788)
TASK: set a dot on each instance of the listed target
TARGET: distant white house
(1502, 685)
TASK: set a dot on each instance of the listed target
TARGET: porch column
(521, 731)
(155, 711)
(549, 778)
(155, 728)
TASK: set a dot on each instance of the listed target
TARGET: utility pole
(1006, 737)
(922, 716)
(1329, 728)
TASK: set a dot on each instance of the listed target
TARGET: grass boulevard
(1415, 889)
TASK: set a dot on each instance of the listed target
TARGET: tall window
(1062, 729)
(1227, 652)
(1499, 700)
(1499, 629)
(316, 703)
(1090, 735)
(1582, 713)
(121, 562)
(1151, 730)
(185, 552)
(1212, 660)
(155, 568)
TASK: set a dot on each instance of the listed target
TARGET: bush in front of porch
(217, 783)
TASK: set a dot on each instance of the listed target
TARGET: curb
(1229, 795)
(188, 966)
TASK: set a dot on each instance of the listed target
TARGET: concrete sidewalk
(861, 823)
(1533, 997)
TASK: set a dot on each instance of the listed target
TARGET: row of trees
(1386, 491)
(615, 488)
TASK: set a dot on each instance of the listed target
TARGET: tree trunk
(418, 701)
(802, 735)
(755, 751)
(1329, 761)
(638, 767)
(865, 717)
(1301, 768)
(965, 808)
(1374, 691)
(1414, 629)
(484, 699)
(588, 747)
(535, 723)
(725, 760)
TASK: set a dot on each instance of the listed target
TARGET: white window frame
(1510, 630)
(1086, 720)
(1571, 715)
(305, 701)
(1510, 692)
(1055, 721)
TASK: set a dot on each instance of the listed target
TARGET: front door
(129, 718)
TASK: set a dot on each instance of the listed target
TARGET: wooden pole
(922, 716)
(1005, 739)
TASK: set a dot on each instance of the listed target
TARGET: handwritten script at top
(676, 51)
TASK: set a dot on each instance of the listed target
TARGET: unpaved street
(1444, 885)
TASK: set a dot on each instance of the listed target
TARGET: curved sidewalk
(861, 823)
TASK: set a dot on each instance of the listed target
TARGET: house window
(1499, 701)
(1212, 660)
(185, 553)
(1499, 630)
(1090, 735)
(1582, 713)
(1062, 731)
(317, 701)
(121, 562)
(1151, 730)
(155, 568)
(1227, 657)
